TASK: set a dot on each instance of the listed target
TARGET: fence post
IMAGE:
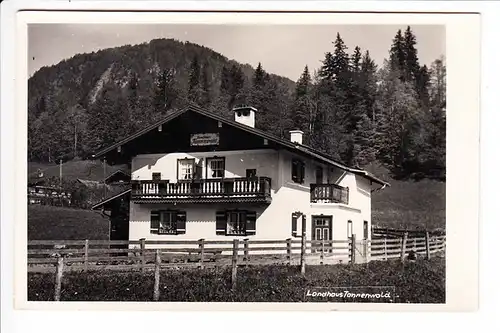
(403, 246)
(427, 246)
(303, 247)
(143, 254)
(234, 270)
(86, 255)
(353, 249)
(156, 293)
(289, 250)
(322, 255)
(385, 247)
(201, 246)
(59, 275)
(245, 250)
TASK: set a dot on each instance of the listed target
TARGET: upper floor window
(298, 171)
(156, 176)
(215, 167)
(185, 169)
(319, 175)
(251, 173)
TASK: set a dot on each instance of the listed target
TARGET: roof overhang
(291, 146)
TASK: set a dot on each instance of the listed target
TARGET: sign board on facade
(205, 139)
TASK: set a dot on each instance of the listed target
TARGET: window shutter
(294, 225)
(220, 223)
(181, 222)
(251, 219)
(155, 221)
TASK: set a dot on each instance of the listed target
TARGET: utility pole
(104, 178)
(60, 174)
(74, 148)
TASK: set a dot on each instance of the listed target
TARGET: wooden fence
(85, 255)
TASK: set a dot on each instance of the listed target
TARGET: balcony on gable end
(329, 193)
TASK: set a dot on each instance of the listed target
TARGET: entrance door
(322, 230)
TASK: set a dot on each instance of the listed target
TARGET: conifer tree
(411, 65)
(206, 86)
(368, 78)
(398, 122)
(397, 56)
(195, 90)
(165, 94)
(303, 105)
(259, 78)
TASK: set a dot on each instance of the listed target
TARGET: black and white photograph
(237, 162)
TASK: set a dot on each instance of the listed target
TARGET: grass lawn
(60, 223)
(412, 204)
(74, 169)
(414, 282)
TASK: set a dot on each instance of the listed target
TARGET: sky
(282, 49)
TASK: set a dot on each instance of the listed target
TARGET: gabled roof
(293, 146)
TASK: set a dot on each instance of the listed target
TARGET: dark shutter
(155, 221)
(181, 222)
(294, 225)
(251, 219)
(220, 223)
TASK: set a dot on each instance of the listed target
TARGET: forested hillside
(349, 107)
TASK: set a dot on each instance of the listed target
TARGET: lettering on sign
(205, 139)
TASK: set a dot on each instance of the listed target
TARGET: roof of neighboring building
(81, 170)
(111, 198)
(293, 146)
(116, 174)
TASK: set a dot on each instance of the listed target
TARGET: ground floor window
(235, 222)
(168, 222)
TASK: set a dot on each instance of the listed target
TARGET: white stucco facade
(273, 219)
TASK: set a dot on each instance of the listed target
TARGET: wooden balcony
(225, 190)
(329, 193)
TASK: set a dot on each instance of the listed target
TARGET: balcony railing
(225, 190)
(329, 193)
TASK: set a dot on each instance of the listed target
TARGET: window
(298, 171)
(156, 176)
(251, 173)
(365, 230)
(215, 167)
(168, 222)
(319, 175)
(235, 223)
(349, 228)
(185, 169)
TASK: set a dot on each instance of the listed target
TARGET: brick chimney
(245, 115)
(296, 136)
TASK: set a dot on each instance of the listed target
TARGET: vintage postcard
(247, 160)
